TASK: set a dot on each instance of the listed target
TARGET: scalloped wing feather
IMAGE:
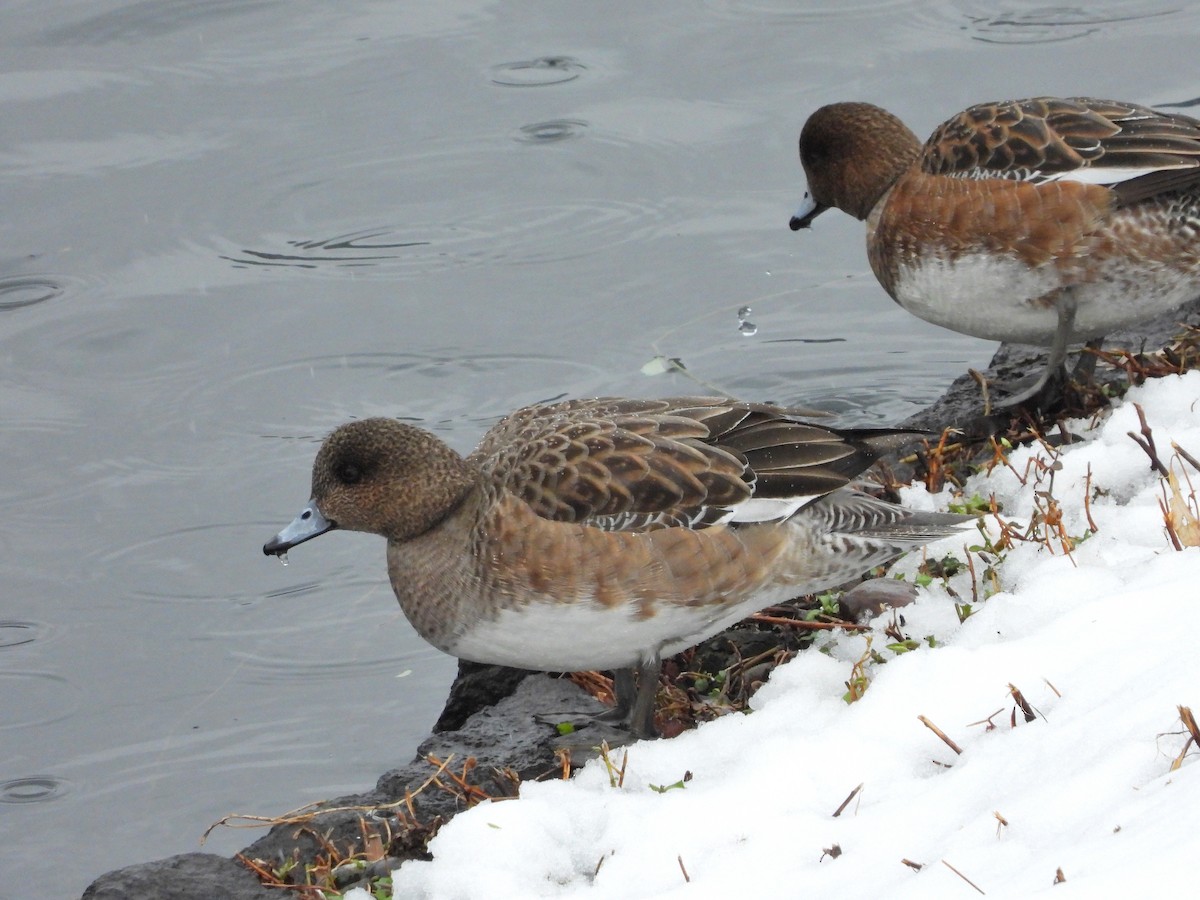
(639, 465)
(1048, 138)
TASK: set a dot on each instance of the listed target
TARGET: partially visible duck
(1042, 221)
(609, 533)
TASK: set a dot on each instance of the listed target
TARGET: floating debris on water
(660, 364)
(745, 326)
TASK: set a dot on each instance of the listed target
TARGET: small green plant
(827, 607)
(678, 785)
(973, 505)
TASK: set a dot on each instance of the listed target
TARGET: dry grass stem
(1022, 704)
(1001, 822)
(949, 743)
(599, 686)
(306, 814)
(563, 755)
(1087, 500)
(1181, 516)
(1146, 441)
(970, 558)
(1187, 457)
(988, 723)
(859, 680)
(804, 624)
(1189, 722)
(854, 793)
(687, 878)
(963, 877)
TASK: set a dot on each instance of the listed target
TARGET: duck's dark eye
(349, 473)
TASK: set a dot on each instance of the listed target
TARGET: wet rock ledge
(497, 717)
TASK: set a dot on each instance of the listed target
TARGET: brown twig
(962, 876)
(1146, 442)
(805, 625)
(980, 380)
(988, 721)
(1186, 456)
(1189, 722)
(1087, 500)
(949, 743)
(971, 568)
(1169, 524)
(854, 793)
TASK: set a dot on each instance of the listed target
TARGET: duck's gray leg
(1049, 387)
(641, 718)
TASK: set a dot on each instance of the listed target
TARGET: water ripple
(1048, 24)
(258, 669)
(190, 565)
(14, 633)
(1035, 24)
(534, 233)
(151, 18)
(26, 290)
(35, 698)
(33, 789)
(538, 72)
(552, 131)
(805, 11)
(354, 249)
(374, 384)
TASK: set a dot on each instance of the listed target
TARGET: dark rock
(189, 876)
(870, 598)
(477, 686)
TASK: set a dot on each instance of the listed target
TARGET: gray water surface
(229, 226)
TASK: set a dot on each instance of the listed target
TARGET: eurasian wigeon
(1042, 221)
(609, 533)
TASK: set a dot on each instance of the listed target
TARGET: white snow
(1087, 787)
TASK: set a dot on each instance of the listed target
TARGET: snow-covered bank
(1101, 641)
